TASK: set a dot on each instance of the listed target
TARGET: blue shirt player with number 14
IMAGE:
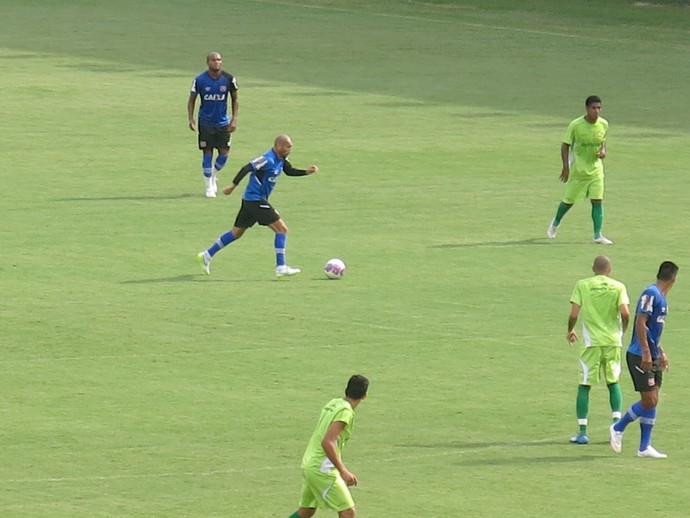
(647, 361)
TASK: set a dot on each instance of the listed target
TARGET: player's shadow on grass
(502, 451)
(485, 445)
(196, 277)
(176, 278)
(522, 460)
(539, 241)
(133, 198)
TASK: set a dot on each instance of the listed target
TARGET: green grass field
(134, 385)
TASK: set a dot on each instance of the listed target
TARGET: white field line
(447, 452)
(422, 333)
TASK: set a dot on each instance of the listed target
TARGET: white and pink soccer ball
(335, 268)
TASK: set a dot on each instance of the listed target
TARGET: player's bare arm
(330, 447)
(641, 331)
(565, 156)
(571, 336)
(602, 150)
(190, 111)
(235, 107)
(665, 363)
(624, 311)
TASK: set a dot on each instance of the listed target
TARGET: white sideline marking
(422, 333)
(448, 451)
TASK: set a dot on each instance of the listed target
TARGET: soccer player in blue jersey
(215, 128)
(647, 361)
(582, 152)
(263, 172)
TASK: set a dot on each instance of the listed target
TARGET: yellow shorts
(578, 189)
(595, 360)
(325, 491)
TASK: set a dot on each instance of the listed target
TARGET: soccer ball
(335, 268)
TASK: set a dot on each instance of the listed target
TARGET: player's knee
(348, 513)
(649, 400)
(306, 512)
(281, 227)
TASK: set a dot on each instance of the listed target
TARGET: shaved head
(214, 61)
(282, 145)
(282, 140)
(213, 55)
(602, 265)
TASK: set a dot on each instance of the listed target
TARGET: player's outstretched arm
(289, 170)
(238, 178)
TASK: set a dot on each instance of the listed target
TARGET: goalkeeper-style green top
(335, 410)
(585, 139)
(600, 298)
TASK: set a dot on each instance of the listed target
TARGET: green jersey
(585, 140)
(336, 410)
(600, 298)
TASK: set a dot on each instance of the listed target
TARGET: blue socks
(647, 420)
(221, 243)
(633, 413)
(227, 238)
(206, 165)
(220, 162)
(646, 425)
(279, 242)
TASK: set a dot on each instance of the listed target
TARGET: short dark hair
(591, 100)
(211, 54)
(357, 387)
(667, 271)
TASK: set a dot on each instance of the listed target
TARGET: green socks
(616, 400)
(562, 209)
(597, 218)
(294, 515)
(582, 406)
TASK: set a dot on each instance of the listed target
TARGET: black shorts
(214, 137)
(644, 381)
(260, 212)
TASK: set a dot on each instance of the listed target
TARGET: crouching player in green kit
(325, 477)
